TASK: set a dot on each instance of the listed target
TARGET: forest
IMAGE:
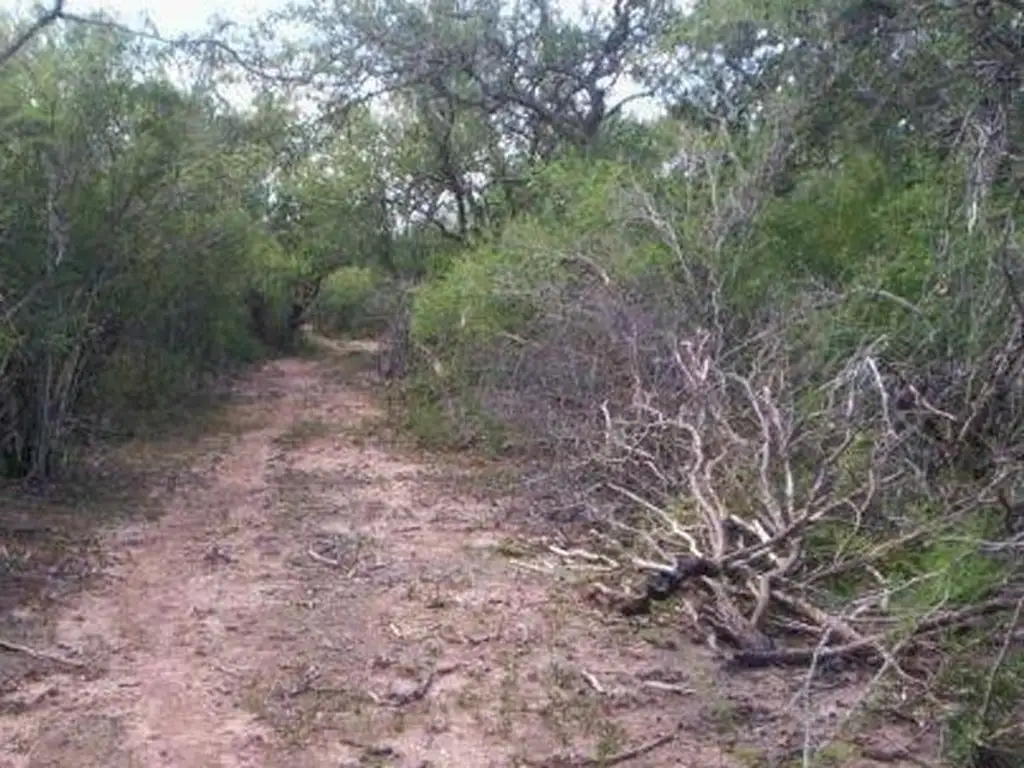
(739, 283)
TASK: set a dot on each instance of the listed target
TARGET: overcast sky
(174, 17)
(170, 16)
(177, 16)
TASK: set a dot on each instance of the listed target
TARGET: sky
(172, 17)
(175, 17)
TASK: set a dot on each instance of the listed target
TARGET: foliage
(353, 300)
(773, 331)
(130, 243)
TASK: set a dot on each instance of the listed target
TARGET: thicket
(813, 429)
(767, 342)
(781, 369)
(149, 240)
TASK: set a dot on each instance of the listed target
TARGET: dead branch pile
(762, 473)
(734, 473)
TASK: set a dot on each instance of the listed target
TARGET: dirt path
(312, 597)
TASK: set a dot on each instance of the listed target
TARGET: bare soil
(292, 588)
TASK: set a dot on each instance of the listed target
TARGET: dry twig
(7, 645)
(618, 758)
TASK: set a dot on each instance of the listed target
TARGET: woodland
(762, 337)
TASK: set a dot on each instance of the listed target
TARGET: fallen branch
(7, 645)
(559, 761)
(1000, 659)
(322, 559)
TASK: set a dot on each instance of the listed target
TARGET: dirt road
(310, 596)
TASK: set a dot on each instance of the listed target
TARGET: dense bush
(128, 248)
(355, 301)
(803, 403)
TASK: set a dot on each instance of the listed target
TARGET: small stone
(403, 689)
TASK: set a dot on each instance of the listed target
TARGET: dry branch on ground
(774, 499)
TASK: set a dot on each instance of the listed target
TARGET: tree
(479, 92)
(127, 243)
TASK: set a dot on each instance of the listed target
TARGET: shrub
(125, 264)
(355, 301)
(796, 417)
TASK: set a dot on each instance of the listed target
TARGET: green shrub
(580, 224)
(567, 332)
(132, 293)
(355, 301)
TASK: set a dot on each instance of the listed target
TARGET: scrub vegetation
(735, 292)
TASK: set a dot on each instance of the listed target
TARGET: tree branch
(48, 18)
(57, 13)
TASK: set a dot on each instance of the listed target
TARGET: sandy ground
(306, 594)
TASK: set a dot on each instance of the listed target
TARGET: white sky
(175, 17)
(172, 17)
